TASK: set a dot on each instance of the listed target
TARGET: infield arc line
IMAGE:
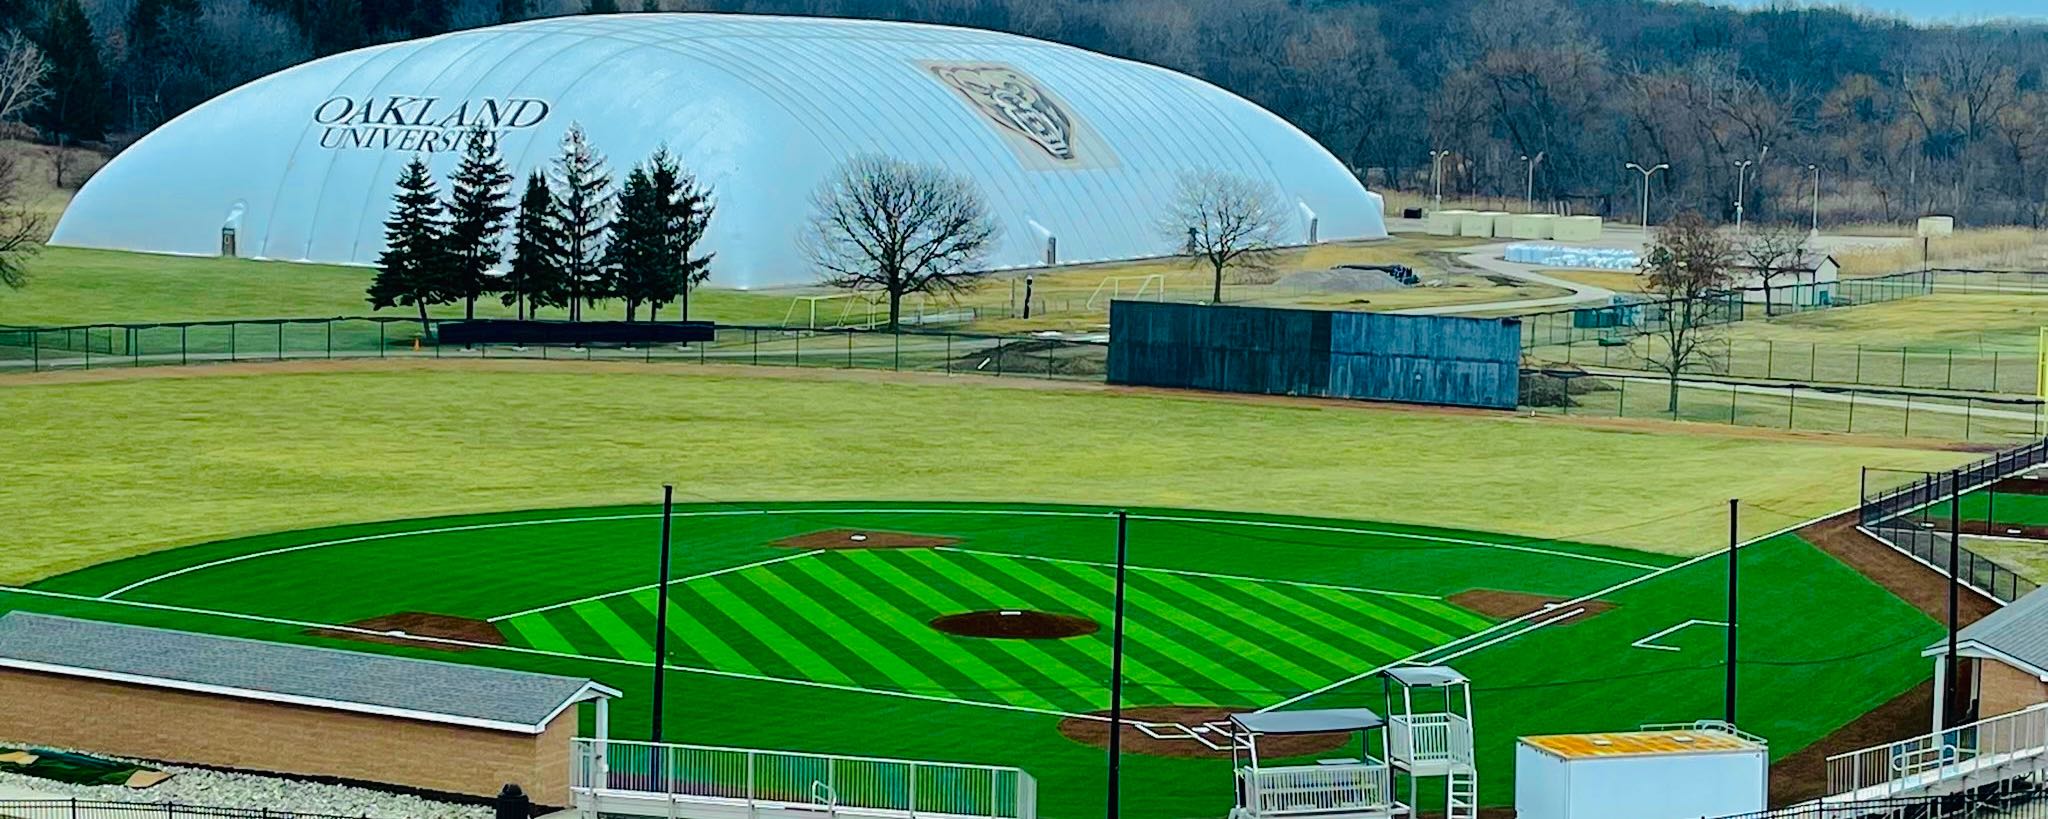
(116, 593)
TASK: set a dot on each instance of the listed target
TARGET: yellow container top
(1640, 743)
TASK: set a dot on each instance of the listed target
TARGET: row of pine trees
(575, 237)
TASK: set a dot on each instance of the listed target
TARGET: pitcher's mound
(1016, 624)
(1507, 605)
(863, 539)
(402, 629)
(1172, 730)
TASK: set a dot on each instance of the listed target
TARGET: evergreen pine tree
(533, 279)
(600, 6)
(477, 209)
(79, 104)
(512, 11)
(334, 26)
(685, 211)
(582, 213)
(413, 269)
(636, 248)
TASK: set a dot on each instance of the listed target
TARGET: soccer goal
(1139, 286)
(853, 310)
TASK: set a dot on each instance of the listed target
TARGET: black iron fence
(2016, 799)
(36, 349)
(1915, 518)
(1789, 406)
(92, 809)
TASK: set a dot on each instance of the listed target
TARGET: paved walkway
(1490, 259)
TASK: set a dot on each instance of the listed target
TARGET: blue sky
(1943, 10)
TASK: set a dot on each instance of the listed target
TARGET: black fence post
(1791, 406)
(1852, 411)
(35, 351)
(280, 341)
(231, 341)
(382, 344)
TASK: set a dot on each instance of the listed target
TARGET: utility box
(1532, 226)
(1445, 222)
(1937, 226)
(1707, 769)
(1576, 229)
(1479, 224)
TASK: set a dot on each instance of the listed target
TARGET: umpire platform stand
(1429, 733)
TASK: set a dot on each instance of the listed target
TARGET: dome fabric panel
(1063, 142)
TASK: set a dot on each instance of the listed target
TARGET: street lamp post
(1529, 192)
(1647, 173)
(1815, 168)
(1742, 167)
(1436, 175)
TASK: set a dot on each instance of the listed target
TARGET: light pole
(1815, 168)
(1436, 175)
(1742, 167)
(1647, 173)
(1529, 192)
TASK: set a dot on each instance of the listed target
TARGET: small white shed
(1704, 769)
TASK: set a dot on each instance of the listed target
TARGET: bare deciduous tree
(1228, 222)
(1773, 252)
(900, 228)
(21, 228)
(1687, 268)
(22, 72)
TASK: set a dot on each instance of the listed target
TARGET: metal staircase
(1463, 786)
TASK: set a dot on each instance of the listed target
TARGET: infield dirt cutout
(1095, 732)
(400, 630)
(1016, 624)
(863, 539)
(1507, 605)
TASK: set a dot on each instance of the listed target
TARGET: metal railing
(1310, 789)
(100, 809)
(1925, 764)
(37, 349)
(1430, 738)
(787, 778)
(2010, 800)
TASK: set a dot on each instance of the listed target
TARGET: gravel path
(196, 786)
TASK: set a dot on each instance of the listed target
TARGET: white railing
(1919, 764)
(1430, 738)
(1363, 787)
(784, 778)
(1707, 725)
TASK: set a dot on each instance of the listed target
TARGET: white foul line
(1650, 642)
(421, 638)
(1187, 573)
(862, 511)
(1573, 602)
(645, 587)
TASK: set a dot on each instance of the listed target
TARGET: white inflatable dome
(1066, 144)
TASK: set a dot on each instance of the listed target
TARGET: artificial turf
(1821, 645)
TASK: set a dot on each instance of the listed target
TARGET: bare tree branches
(1687, 268)
(22, 72)
(1226, 221)
(885, 224)
(1772, 252)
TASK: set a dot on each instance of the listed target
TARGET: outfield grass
(829, 652)
(71, 286)
(115, 463)
(76, 286)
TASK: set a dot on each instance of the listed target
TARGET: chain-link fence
(1635, 316)
(36, 349)
(1857, 364)
(1795, 407)
(1911, 511)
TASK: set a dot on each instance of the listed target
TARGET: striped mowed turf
(861, 619)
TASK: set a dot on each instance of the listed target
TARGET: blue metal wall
(1375, 356)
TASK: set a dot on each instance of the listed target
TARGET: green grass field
(109, 464)
(830, 651)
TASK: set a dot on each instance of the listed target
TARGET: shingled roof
(378, 684)
(2017, 634)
